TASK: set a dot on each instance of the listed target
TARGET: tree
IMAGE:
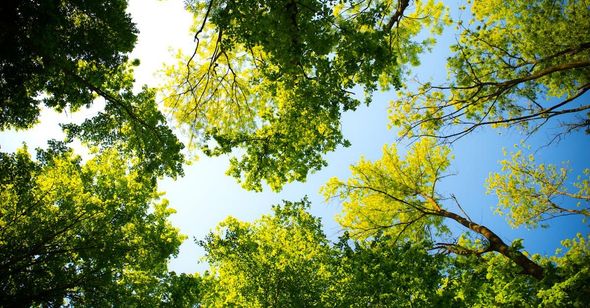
(94, 233)
(490, 280)
(277, 260)
(529, 193)
(164, 290)
(48, 45)
(86, 233)
(131, 123)
(572, 275)
(285, 260)
(67, 54)
(392, 208)
(273, 77)
(378, 274)
(515, 63)
(399, 197)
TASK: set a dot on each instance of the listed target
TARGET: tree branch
(402, 5)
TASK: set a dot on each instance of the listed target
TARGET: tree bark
(497, 244)
(397, 16)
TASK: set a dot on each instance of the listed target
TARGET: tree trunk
(497, 244)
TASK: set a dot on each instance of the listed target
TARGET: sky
(205, 195)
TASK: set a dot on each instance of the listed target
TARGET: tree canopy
(515, 63)
(531, 193)
(279, 260)
(400, 197)
(86, 232)
(284, 259)
(91, 233)
(65, 55)
(48, 45)
(267, 84)
(276, 85)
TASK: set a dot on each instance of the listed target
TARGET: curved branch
(498, 245)
(402, 5)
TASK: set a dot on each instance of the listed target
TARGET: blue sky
(205, 195)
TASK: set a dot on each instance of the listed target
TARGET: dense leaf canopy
(93, 233)
(131, 123)
(47, 45)
(284, 259)
(276, 85)
(65, 54)
(268, 82)
(87, 232)
(279, 260)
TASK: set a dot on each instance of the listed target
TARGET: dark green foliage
(66, 53)
(47, 45)
(133, 124)
(378, 273)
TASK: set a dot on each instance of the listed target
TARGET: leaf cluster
(515, 64)
(84, 232)
(276, 86)
(44, 43)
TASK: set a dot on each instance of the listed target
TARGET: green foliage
(165, 290)
(273, 77)
(88, 233)
(64, 55)
(378, 274)
(490, 281)
(285, 260)
(389, 195)
(516, 63)
(272, 89)
(267, 83)
(399, 198)
(133, 125)
(531, 193)
(47, 45)
(94, 233)
(278, 260)
(572, 281)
